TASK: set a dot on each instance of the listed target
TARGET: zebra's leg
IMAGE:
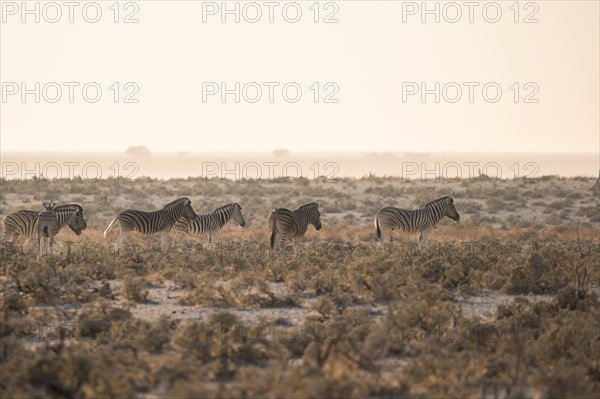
(176, 237)
(165, 241)
(42, 247)
(13, 238)
(423, 239)
(426, 237)
(178, 241)
(119, 240)
(54, 246)
(280, 244)
(385, 238)
(45, 246)
(380, 244)
(5, 236)
(209, 246)
(38, 248)
(288, 244)
(283, 243)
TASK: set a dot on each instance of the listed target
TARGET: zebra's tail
(272, 227)
(377, 228)
(109, 227)
(273, 234)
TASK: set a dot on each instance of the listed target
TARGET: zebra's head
(314, 216)
(187, 210)
(236, 214)
(450, 210)
(76, 222)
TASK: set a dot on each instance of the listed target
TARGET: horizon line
(291, 152)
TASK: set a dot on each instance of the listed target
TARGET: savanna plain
(503, 304)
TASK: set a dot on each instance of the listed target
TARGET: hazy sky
(374, 62)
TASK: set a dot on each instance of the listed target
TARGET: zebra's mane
(227, 207)
(68, 207)
(175, 203)
(444, 200)
(224, 212)
(309, 206)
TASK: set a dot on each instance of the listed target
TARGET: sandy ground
(163, 300)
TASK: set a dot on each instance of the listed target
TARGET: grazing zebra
(414, 220)
(47, 227)
(161, 221)
(209, 222)
(291, 225)
(25, 222)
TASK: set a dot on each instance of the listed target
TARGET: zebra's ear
(317, 205)
(451, 200)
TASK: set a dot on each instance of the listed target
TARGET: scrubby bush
(344, 318)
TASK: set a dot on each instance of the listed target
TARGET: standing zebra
(47, 227)
(291, 225)
(25, 222)
(161, 221)
(415, 220)
(209, 222)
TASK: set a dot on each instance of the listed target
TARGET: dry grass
(342, 319)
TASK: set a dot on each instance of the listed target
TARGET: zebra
(209, 222)
(415, 220)
(47, 227)
(291, 225)
(24, 222)
(161, 221)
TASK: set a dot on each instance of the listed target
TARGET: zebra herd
(44, 225)
(179, 218)
(161, 221)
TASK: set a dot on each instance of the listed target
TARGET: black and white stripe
(47, 228)
(209, 223)
(161, 221)
(291, 225)
(415, 220)
(24, 223)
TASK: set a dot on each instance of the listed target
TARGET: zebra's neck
(222, 216)
(303, 214)
(436, 211)
(63, 216)
(174, 211)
